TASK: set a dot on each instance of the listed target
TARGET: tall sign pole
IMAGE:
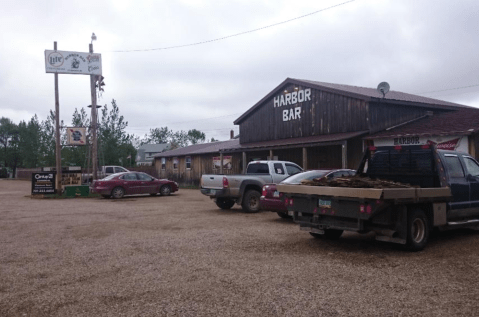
(58, 155)
(93, 121)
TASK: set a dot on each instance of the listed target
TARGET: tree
(157, 136)
(194, 136)
(115, 145)
(7, 130)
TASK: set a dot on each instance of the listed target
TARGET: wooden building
(314, 124)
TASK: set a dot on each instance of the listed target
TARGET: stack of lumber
(354, 182)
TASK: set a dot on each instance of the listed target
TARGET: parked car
(271, 198)
(245, 189)
(132, 183)
(102, 172)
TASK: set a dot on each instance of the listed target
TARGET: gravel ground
(182, 256)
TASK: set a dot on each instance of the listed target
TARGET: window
(163, 163)
(257, 168)
(109, 170)
(278, 168)
(454, 167)
(471, 166)
(175, 163)
(188, 162)
(293, 169)
(129, 177)
(120, 170)
(144, 177)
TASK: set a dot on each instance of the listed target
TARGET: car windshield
(297, 178)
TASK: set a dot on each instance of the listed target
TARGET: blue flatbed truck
(443, 193)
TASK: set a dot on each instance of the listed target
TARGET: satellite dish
(383, 88)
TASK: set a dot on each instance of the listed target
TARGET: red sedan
(132, 183)
(271, 198)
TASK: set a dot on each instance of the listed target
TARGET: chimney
(232, 134)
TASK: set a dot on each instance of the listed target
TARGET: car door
(458, 184)
(278, 173)
(147, 185)
(131, 183)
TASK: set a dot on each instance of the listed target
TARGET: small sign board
(63, 62)
(43, 183)
(76, 136)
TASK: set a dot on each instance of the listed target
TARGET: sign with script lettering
(63, 62)
(451, 142)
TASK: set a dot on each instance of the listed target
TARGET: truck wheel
(117, 192)
(283, 215)
(417, 230)
(251, 201)
(330, 234)
(165, 190)
(225, 203)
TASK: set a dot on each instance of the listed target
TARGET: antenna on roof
(383, 88)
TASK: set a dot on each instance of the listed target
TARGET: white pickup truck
(245, 189)
(104, 171)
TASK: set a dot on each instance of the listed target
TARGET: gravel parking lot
(182, 256)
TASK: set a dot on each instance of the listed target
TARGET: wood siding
(200, 164)
(383, 116)
(325, 113)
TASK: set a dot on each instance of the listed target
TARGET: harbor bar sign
(43, 183)
(63, 62)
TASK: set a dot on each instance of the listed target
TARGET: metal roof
(292, 142)
(463, 121)
(367, 94)
(202, 148)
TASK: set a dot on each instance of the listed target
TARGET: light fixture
(93, 37)
(285, 91)
(296, 88)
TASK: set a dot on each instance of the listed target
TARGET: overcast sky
(429, 48)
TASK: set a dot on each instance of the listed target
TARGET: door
(147, 185)
(459, 186)
(131, 183)
(278, 173)
(472, 169)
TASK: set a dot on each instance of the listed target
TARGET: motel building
(323, 125)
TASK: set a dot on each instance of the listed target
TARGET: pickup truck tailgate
(212, 181)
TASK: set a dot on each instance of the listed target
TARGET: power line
(233, 35)
(456, 88)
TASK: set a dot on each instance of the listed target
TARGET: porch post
(305, 158)
(244, 162)
(345, 153)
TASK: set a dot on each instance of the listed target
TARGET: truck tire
(117, 192)
(330, 234)
(225, 203)
(250, 202)
(284, 215)
(417, 230)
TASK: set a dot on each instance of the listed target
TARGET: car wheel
(165, 190)
(251, 201)
(417, 230)
(117, 192)
(106, 196)
(283, 215)
(225, 203)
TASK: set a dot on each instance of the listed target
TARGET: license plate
(276, 194)
(324, 203)
(212, 191)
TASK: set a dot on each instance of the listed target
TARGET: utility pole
(93, 118)
(58, 155)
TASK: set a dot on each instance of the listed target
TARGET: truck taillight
(365, 208)
(291, 201)
(286, 201)
(225, 182)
